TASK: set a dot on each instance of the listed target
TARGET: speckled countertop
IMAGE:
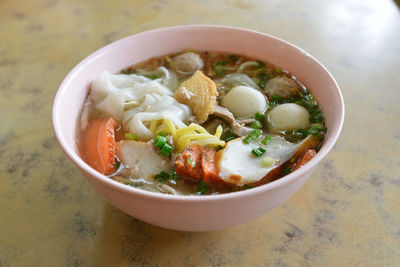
(347, 213)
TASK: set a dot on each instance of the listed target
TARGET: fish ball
(244, 101)
(288, 117)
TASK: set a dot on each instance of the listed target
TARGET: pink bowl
(196, 213)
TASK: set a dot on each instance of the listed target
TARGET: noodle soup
(199, 122)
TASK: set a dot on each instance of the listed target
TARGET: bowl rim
(325, 148)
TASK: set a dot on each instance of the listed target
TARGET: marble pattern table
(347, 213)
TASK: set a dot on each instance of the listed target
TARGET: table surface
(346, 214)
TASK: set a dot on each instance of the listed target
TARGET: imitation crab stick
(98, 146)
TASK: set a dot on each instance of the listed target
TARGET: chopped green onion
(117, 164)
(246, 186)
(258, 152)
(256, 125)
(201, 188)
(287, 170)
(275, 98)
(316, 129)
(161, 177)
(233, 58)
(316, 116)
(160, 141)
(263, 78)
(253, 135)
(258, 116)
(153, 76)
(130, 136)
(127, 71)
(229, 136)
(166, 150)
(267, 162)
(162, 133)
(278, 70)
(302, 132)
(219, 67)
(260, 64)
(274, 101)
(266, 140)
(313, 130)
(247, 139)
(174, 175)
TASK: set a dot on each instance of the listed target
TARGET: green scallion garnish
(201, 188)
(160, 141)
(161, 177)
(258, 116)
(252, 136)
(166, 150)
(287, 170)
(233, 58)
(256, 125)
(247, 139)
(266, 140)
(258, 152)
(117, 164)
(261, 64)
(229, 136)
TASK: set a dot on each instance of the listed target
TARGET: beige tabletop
(346, 214)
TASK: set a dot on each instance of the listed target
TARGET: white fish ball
(288, 117)
(244, 101)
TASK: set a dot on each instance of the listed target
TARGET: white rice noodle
(135, 99)
(236, 79)
(247, 64)
(167, 78)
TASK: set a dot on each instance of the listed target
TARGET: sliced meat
(209, 167)
(198, 164)
(188, 163)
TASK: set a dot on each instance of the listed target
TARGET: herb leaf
(201, 188)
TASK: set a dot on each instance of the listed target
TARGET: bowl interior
(139, 47)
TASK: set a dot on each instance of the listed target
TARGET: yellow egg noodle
(185, 136)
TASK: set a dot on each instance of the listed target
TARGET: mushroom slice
(237, 127)
(200, 93)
